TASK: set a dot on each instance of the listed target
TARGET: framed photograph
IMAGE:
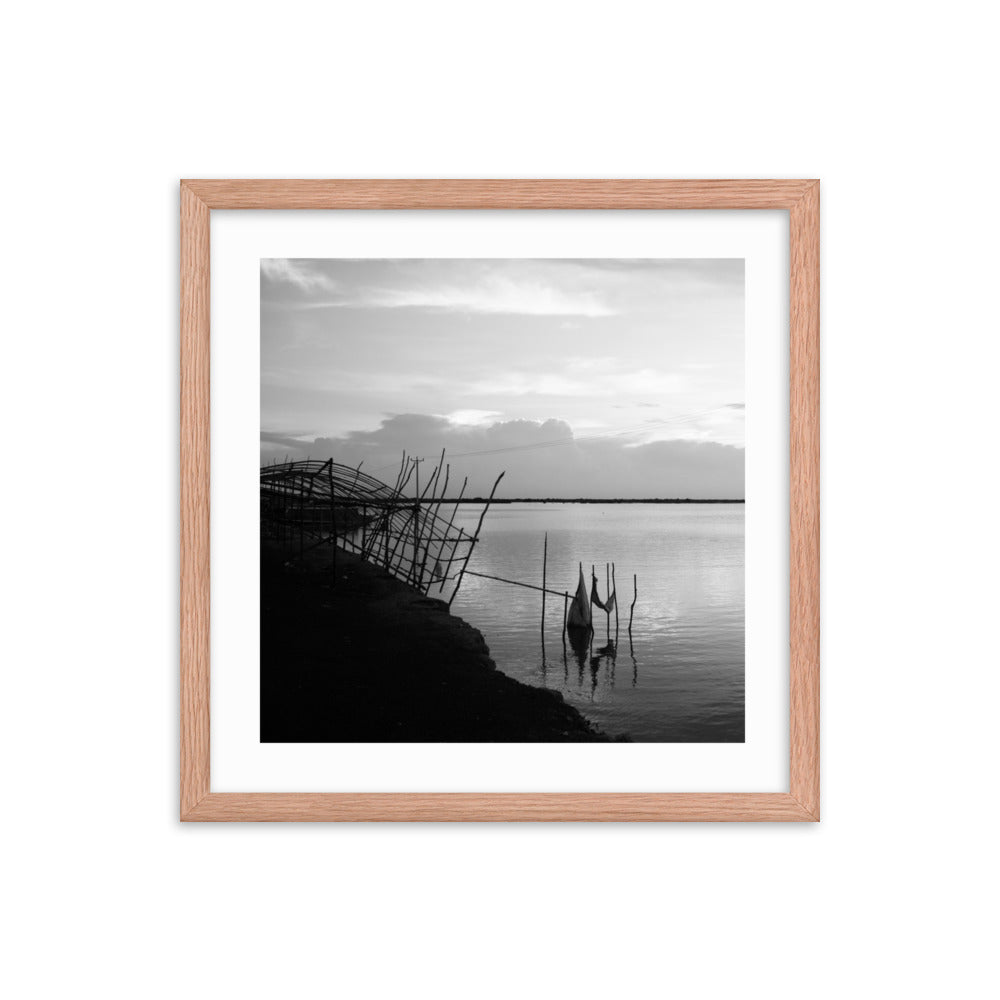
(514, 500)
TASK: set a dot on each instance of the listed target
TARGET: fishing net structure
(413, 536)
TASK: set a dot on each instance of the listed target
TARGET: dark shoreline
(350, 654)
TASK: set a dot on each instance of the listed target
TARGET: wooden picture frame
(800, 198)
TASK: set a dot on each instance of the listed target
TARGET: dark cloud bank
(543, 460)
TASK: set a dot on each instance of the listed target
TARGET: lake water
(681, 678)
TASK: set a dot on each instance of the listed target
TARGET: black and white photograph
(502, 500)
(474, 531)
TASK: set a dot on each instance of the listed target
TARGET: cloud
(290, 442)
(580, 382)
(471, 418)
(524, 384)
(297, 273)
(495, 293)
(724, 424)
(541, 458)
(515, 288)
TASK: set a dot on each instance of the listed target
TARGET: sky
(600, 378)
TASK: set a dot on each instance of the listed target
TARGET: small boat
(579, 611)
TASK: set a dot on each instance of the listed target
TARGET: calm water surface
(680, 679)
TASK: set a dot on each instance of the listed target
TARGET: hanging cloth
(607, 606)
(579, 609)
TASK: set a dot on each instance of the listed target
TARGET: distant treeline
(588, 500)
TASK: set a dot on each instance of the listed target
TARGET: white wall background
(892, 105)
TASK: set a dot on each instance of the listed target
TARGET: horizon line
(590, 500)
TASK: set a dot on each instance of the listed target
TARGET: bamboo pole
(357, 473)
(430, 490)
(404, 510)
(385, 520)
(379, 529)
(416, 521)
(635, 594)
(430, 525)
(475, 537)
(545, 560)
(437, 514)
(414, 510)
(593, 580)
(399, 475)
(409, 473)
(615, 585)
(421, 553)
(607, 596)
(545, 556)
(565, 655)
(447, 568)
(399, 537)
(301, 516)
(354, 485)
(333, 524)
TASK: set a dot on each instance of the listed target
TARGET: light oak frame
(198, 198)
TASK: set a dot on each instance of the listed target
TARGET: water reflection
(606, 656)
(589, 659)
(688, 614)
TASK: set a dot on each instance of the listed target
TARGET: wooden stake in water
(545, 560)
(615, 585)
(475, 538)
(607, 596)
(635, 594)
(593, 580)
